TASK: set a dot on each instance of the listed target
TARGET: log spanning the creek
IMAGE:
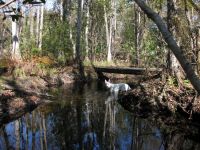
(128, 70)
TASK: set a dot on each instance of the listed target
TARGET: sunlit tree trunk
(108, 36)
(61, 9)
(87, 29)
(197, 43)
(70, 20)
(31, 21)
(136, 22)
(16, 54)
(173, 62)
(38, 26)
(41, 26)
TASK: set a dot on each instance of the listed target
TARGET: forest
(153, 44)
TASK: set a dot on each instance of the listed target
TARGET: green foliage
(56, 40)
(172, 81)
(153, 47)
(128, 31)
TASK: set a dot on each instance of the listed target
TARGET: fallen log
(127, 70)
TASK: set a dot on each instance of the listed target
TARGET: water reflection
(83, 117)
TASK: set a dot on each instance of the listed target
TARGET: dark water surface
(82, 117)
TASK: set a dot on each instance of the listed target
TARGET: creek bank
(19, 95)
(155, 98)
(174, 111)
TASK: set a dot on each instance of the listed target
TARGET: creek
(87, 117)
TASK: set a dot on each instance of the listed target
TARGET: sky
(49, 4)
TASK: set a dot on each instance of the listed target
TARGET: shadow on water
(87, 117)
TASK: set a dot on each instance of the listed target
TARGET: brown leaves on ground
(7, 93)
(34, 99)
(159, 95)
(17, 103)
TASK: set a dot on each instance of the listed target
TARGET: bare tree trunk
(41, 26)
(38, 26)
(174, 65)
(109, 55)
(31, 21)
(78, 41)
(86, 30)
(187, 67)
(15, 41)
(61, 9)
(136, 22)
(69, 16)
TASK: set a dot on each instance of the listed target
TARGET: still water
(81, 117)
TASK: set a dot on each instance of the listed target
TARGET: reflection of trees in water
(90, 119)
(23, 133)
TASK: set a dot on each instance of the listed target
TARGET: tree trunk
(41, 26)
(69, 17)
(136, 22)
(15, 41)
(61, 9)
(86, 31)
(38, 27)
(109, 55)
(174, 65)
(78, 41)
(187, 67)
(31, 22)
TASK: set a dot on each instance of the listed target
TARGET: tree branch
(195, 6)
(8, 3)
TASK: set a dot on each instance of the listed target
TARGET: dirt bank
(161, 99)
(19, 95)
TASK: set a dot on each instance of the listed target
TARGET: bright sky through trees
(49, 4)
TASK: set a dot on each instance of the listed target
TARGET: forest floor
(22, 93)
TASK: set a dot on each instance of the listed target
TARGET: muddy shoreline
(149, 97)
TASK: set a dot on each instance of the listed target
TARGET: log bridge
(126, 70)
